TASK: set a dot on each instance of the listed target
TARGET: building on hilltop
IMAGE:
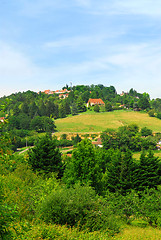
(62, 93)
(48, 92)
(92, 102)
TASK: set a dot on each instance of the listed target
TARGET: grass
(52, 231)
(97, 122)
(137, 233)
(157, 153)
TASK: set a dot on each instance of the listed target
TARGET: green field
(156, 153)
(98, 122)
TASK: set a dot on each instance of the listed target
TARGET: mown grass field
(137, 233)
(91, 122)
(156, 153)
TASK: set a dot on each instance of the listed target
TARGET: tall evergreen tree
(147, 174)
(74, 109)
(62, 111)
(45, 157)
(80, 105)
(119, 175)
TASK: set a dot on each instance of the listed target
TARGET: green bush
(96, 108)
(27, 231)
(150, 207)
(7, 214)
(127, 206)
(80, 207)
(146, 132)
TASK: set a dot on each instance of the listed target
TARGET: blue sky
(46, 44)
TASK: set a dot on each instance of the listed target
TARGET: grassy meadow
(156, 153)
(137, 233)
(91, 122)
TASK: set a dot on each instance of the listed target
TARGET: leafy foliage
(128, 137)
(83, 167)
(78, 206)
(45, 156)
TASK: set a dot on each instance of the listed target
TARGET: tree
(33, 110)
(85, 96)
(62, 111)
(42, 124)
(48, 124)
(96, 108)
(147, 174)
(42, 109)
(109, 139)
(45, 157)
(151, 113)
(24, 121)
(159, 115)
(25, 108)
(144, 102)
(67, 106)
(74, 109)
(80, 105)
(51, 108)
(83, 166)
(119, 175)
(146, 132)
(36, 123)
(76, 139)
(150, 206)
(108, 107)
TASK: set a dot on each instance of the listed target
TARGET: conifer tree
(45, 157)
(147, 174)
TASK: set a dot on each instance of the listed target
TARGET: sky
(46, 44)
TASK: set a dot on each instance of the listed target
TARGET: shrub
(26, 231)
(78, 206)
(146, 132)
(159, 115)
(7, 214)
(96, 108)
(151, 113)
(150, 207)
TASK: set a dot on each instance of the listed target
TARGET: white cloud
(139, 67)
(145, 7)
(13, 63)
(36, 8)
(123, 66)
(117, 7)
(132, 66)
(84, 3)
(87, 42)
(74, 42)
(17, 72)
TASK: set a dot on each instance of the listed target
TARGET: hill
(98, 122)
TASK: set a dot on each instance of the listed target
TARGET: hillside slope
(98, 122)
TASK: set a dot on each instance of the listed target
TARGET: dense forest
(92, 194)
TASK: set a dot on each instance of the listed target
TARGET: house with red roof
(94, 101)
